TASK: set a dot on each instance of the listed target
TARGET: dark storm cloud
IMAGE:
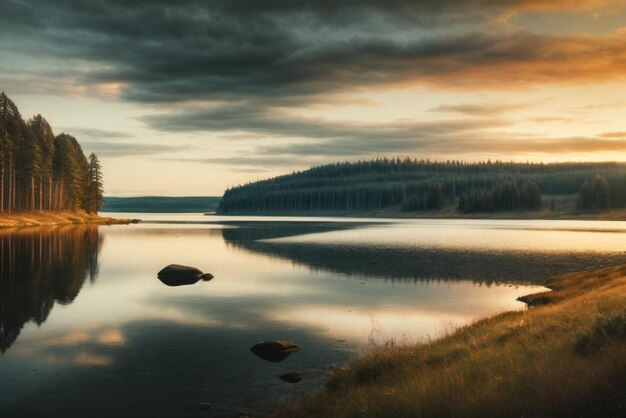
(235, 65)
(288, 50)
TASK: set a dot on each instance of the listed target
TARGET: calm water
(86, 328)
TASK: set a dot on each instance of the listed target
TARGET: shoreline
(52, 218)
(510, 364)
(611, 215)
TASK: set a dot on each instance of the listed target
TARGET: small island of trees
(41, 171)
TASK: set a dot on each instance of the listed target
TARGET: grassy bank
(49, 218)
(563, 357)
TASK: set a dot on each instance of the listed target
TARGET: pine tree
(95, 190)
(37, 169)
(42, 134)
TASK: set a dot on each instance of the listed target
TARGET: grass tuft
(606, 330)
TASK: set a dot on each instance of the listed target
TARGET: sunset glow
(193, 99)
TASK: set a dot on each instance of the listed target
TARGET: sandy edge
(51, 218)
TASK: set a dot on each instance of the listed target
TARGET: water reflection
(390, 252)
(159, 351)
(40, 267)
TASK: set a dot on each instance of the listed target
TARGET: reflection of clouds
(87, 335)
(74, 337)
(418, 316)
(85, 346)
(358, 325)
(89, 359)
(175, 315)
(111, 337)
(83, 358)
(402, 310)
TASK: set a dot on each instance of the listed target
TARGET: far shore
(451, 213)
(554, 207)
(51, 218)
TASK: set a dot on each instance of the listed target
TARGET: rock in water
(177, 275)
(291, 377)
(206, 277)
(274, 351)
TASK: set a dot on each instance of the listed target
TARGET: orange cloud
(542, 5)
(522, 58)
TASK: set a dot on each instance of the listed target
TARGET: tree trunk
(10, 182)
(61, 200)
(2, 191)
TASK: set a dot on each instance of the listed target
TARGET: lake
(87, 329)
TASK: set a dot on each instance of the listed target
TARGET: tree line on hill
(411, 185)
(41, 171)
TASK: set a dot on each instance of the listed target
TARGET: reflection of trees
(419, 263)
(250, 231)
(41, 266)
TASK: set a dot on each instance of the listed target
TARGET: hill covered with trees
(43, 171)
(163, 204)
(413, 185)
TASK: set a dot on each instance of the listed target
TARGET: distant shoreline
(51, 218)
(451, 213)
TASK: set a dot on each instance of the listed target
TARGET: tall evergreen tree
(43, 136)
(96, 190)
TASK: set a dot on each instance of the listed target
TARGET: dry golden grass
(45, 218)
(517, 364)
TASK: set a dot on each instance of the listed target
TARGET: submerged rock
(274, 351)
(178, 275)
(291, 377)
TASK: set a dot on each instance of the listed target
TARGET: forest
(413, 185)
(43, 171)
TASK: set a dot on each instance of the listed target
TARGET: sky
(191, 97)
